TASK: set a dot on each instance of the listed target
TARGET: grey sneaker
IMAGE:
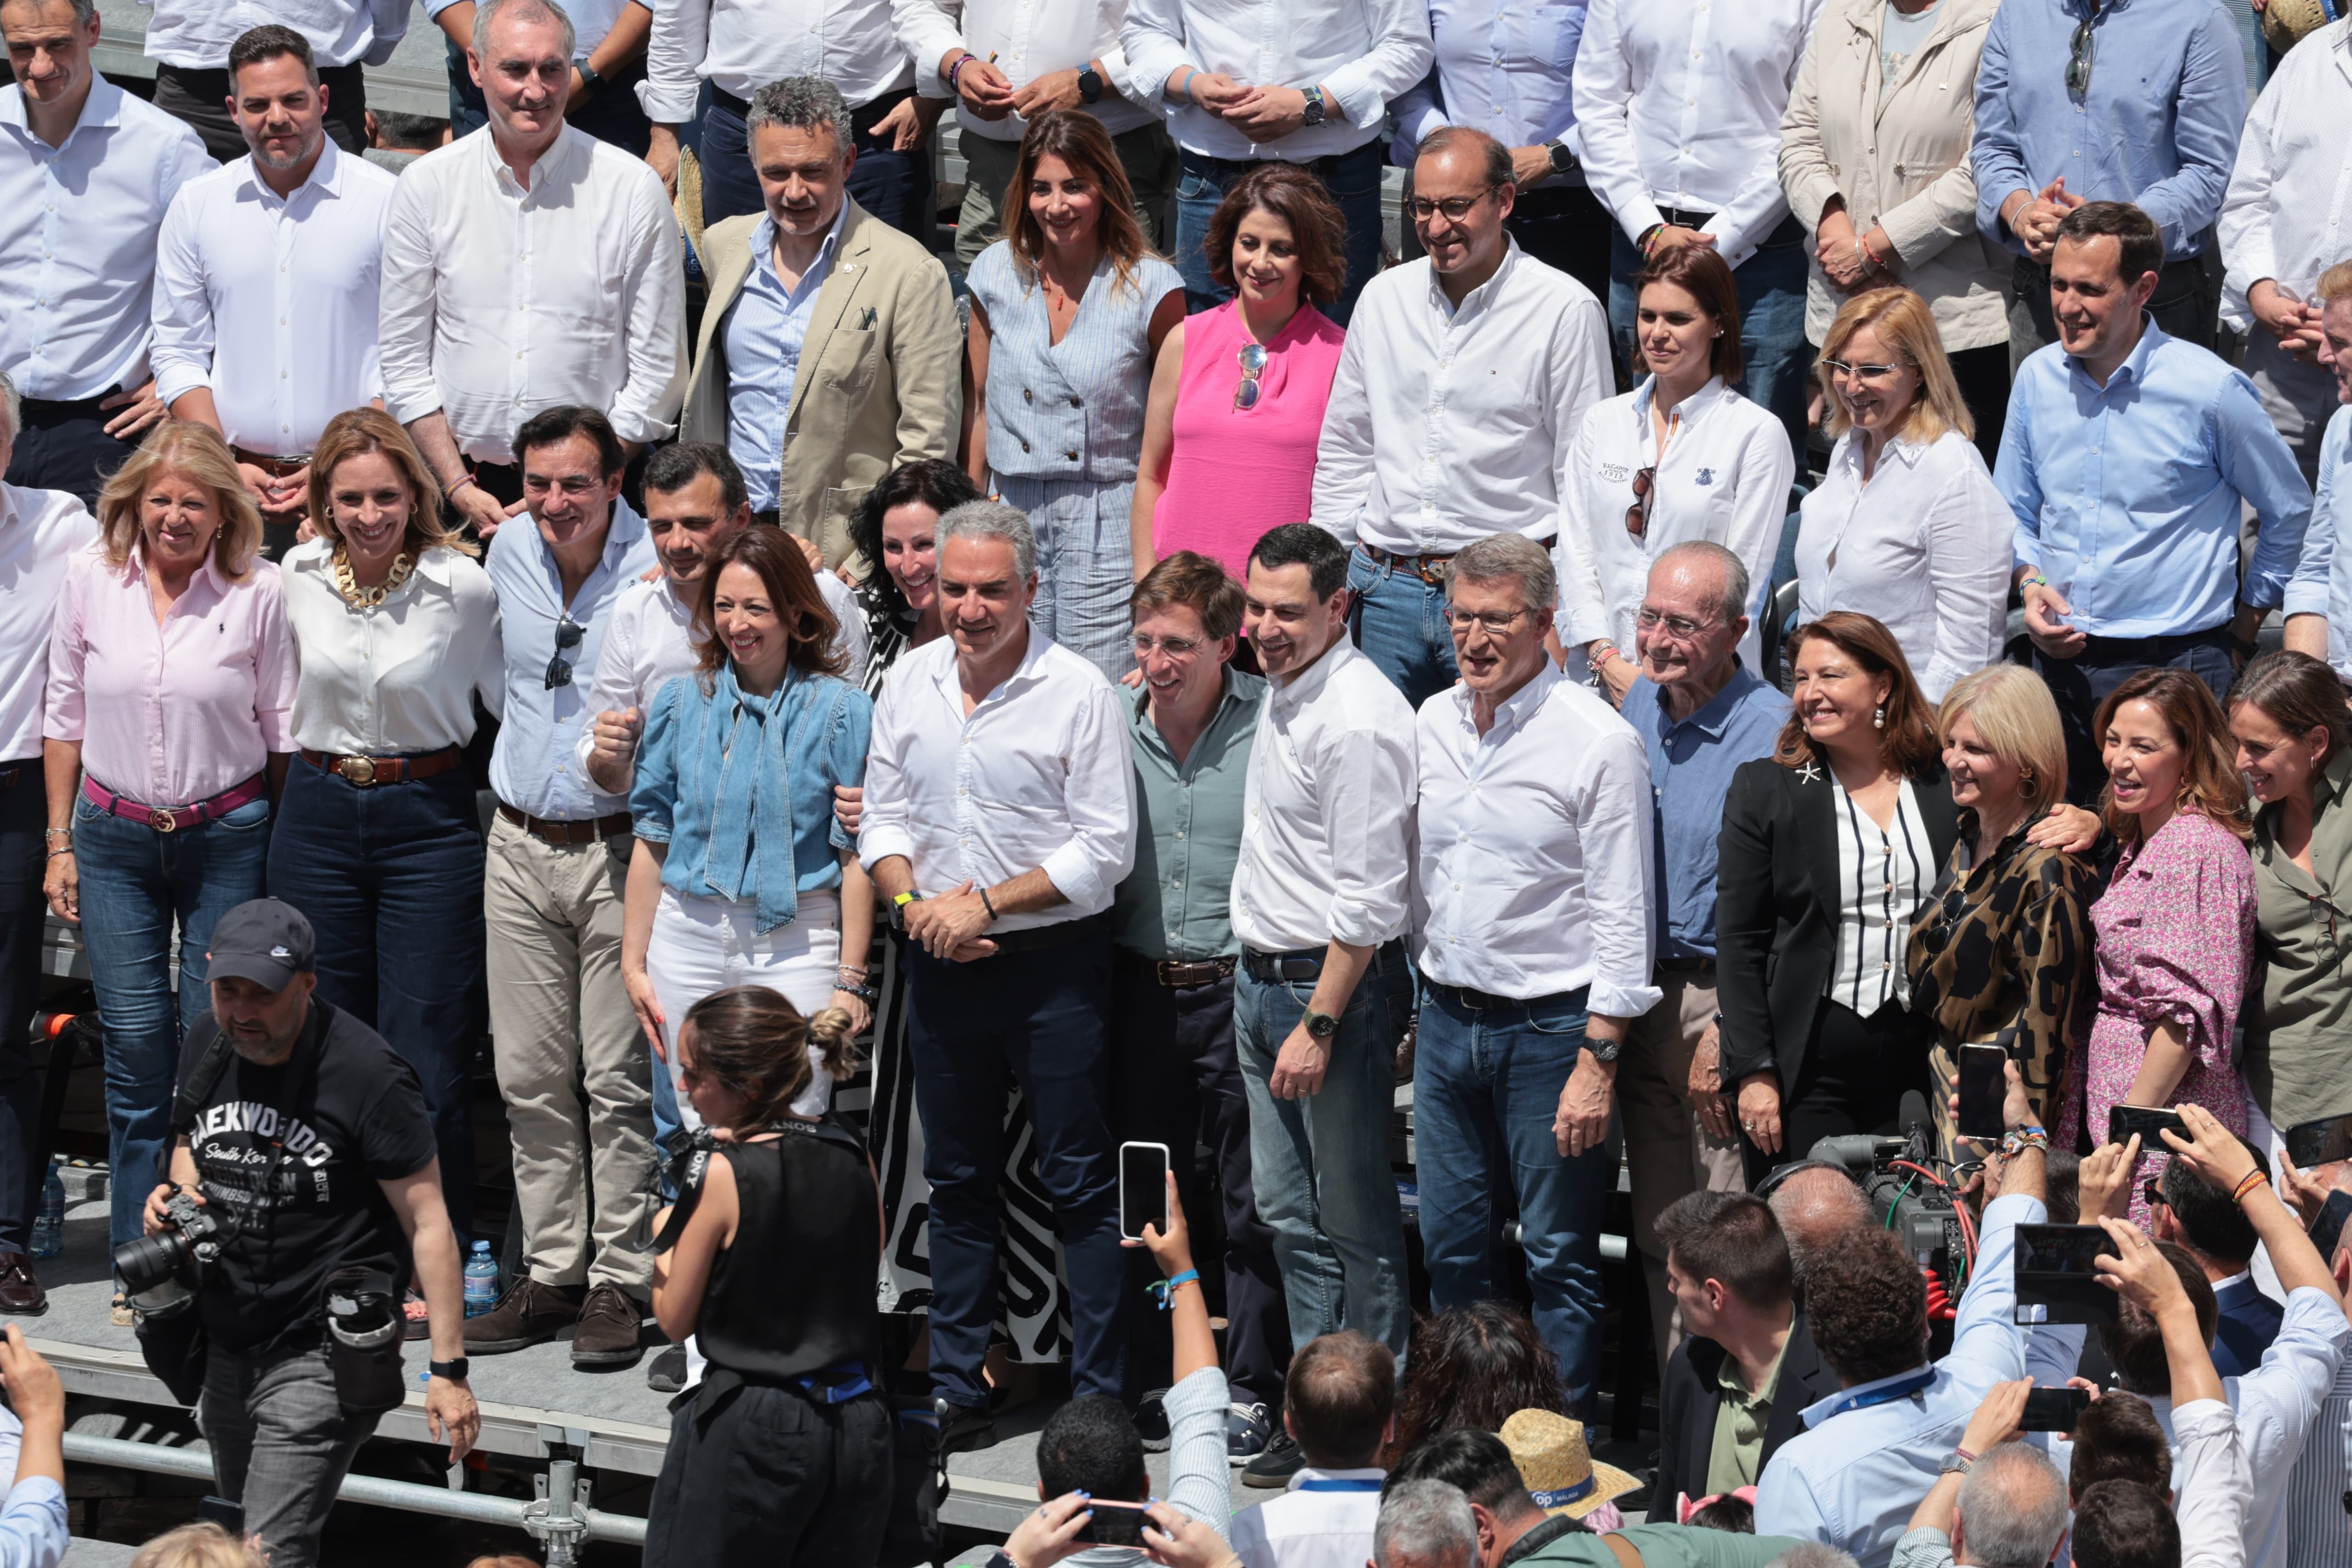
(1274, 1468)
(1248, 1429)
(668, 1373)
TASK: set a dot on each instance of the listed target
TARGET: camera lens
(144, 1262)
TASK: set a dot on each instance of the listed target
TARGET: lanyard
(1341, 1484)
(1886, 1395)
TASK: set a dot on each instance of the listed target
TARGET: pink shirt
(175, 713)
(1232, 474)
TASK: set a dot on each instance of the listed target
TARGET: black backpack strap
(188, 1099)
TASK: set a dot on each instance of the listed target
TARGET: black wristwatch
(1090, 83)
(454, 1371)
(1603, 1050)
(1563, 162)
(1319, 1026)
(589, 80)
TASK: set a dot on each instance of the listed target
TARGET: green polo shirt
(1178, 901)
(1741, 1418)
(1666, 1546)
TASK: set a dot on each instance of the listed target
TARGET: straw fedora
(1556, 1463)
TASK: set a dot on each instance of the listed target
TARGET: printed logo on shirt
(1706, 476)
(1615, 473)
(231, 1145)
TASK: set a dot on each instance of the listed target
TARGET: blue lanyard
(1888, 1394)
(1341, 1484)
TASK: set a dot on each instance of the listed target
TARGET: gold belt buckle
(164, 821)
(360, 770)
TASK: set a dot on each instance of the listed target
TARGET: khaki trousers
(1668, 1154)
(572, 1064)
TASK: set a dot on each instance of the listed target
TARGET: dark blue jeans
(23, 917)
(1352, 178)
(1041, 1019)
(390, 879)
(65, 447)
(1399, 623)
(135, 884)
(893, 186)
(1486, 1090)
(2080, 684)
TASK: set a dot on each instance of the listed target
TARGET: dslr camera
(162, 1273)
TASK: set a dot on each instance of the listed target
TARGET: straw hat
(2286, 23)
(1556, 1463)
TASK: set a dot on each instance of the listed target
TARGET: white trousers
(701, 945)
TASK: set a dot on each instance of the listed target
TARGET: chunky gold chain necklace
(368, 598)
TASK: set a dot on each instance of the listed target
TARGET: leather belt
(172, 818)
(41, 412)
(1477, 1001)
(275, 468)
(1430, 569)
(368, 772)
(1182, 974)
(1274, 968)
(620, 824)
(1037, 939)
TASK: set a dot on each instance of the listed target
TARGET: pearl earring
(1878, 720)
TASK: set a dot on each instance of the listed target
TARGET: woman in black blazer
(1829, 847)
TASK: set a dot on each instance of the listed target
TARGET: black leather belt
(38, 413)
(1274, 968)
(2159, 650)
(1684, 965)
(1477, 1001)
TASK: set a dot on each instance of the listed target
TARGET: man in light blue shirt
(2129, 101)
(764, 330)
(2323, 565)
(2127, 458)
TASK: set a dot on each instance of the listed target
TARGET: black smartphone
(1113, 1524)
(2062, 1248)
(2321, 1142)
(1142, 1189)
(2056, 1278)
(2053, 1409)
(1984, 1087)
(2328, 1227)
(2123, 1121)
(229, 1516)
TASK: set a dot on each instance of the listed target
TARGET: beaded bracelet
(956, 69)
(2253, 1179)
(2021, 1139)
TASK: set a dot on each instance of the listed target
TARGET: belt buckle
(360, 770)
(163, 821)
(1473, 1000)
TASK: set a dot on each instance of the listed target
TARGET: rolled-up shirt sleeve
(405, 305)
(674, 51)
(65, 715)
(1615, 839)
(654, 295)
(1365, 779)
(1152, 38)
(181, 353)
(1399, 57)
(1101, 797)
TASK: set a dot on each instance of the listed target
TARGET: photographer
(302, 1165)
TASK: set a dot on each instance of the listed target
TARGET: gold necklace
(368, 598)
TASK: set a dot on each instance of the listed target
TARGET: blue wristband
(1164, 1293)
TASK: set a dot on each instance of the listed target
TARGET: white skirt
(700, 945)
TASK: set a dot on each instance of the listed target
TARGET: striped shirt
(2316, 1534)
(1884, 873)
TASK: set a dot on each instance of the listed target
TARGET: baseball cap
(267, 942)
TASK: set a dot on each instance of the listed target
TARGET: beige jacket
(880, 378)
(1902, 165)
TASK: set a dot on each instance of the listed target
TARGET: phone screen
(1142, 1188)
(1983, 1087)
(2321, 1142)
(2123, 1121)
(2061, 1248)
(1113, 1524)
(2328, 1228)
(2053, 1409)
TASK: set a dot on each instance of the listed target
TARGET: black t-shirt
(350, 1114)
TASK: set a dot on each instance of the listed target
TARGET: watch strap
(1090, 83)
(1603, 1050)
(454, 1371)
(588, 77)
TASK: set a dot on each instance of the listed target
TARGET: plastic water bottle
(49, 1225)
(481, 1281)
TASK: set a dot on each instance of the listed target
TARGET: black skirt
(762, 1477)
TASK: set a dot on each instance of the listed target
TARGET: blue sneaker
(1248, 1429)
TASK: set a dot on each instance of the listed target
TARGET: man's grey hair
(12, 411)
(521, 11)
(1511, 556)
(2012, 1509)
(1426, 1524)
(992, 520)
(83, 11)
(1732, 602)
(1814, 1206)
(801, 103)
(1813, 1554)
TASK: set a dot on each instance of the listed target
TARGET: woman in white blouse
(378, 840)
(1681, 457)
(1907, 525)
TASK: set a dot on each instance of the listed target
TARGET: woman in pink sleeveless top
(1238, 394)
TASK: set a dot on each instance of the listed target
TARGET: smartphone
(2055, 1280)
(2328, 1230)
(2053, 1409)
(1984, 1087)
(1142, 1189)
(2147, 1120)
(2321, 1142)
(2062, 1248)
(1114, 1523)
(229, 1516)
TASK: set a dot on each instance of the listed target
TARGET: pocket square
(865, 322)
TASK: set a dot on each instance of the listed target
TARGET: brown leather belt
(368, 772)
(1430, 569)
(275, 468)
(620, 824)
(1178, 974)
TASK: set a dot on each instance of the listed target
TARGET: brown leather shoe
(529, 1314)
(19, 1291)
(608, 1328)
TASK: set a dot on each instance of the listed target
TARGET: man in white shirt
(864, 47)
(189, 40)
(1531, 931)
(608, 62)
(266, 278)
(527, 266)
(1297, 82)
(1335, 1417)
(999, 818)
(1679, 110)
(86, 173)
(1010, 60)
(39, 531)
(1320, 906)
(1454, 408)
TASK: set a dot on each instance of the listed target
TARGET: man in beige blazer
(829, 354)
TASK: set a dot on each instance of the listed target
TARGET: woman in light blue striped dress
(1069, 312)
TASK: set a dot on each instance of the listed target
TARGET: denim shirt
(1690, 763)
(676, 798)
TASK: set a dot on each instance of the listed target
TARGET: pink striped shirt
(178, 713)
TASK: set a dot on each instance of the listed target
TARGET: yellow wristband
(903, 899)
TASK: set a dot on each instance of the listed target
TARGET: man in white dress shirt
(189, 40)
(999, 819)
(527, 266)
(1319, 904)
(86, 173)
(1531, 931)
(1297, 82)
(266, 280)
(1454, 408)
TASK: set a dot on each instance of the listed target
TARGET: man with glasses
(1700, 714)
(559, 862)
(1531, 931)
(1455, 406)
(2206, 1223)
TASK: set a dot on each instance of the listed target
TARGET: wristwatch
(1090, 83)
(1315, 108)
(1563, 162)
(1321, 1026)
(454, 1371)
(1603, 1050)
(589, 80)
(1957, 1462)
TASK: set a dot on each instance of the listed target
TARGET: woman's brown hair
(2210, 783)
(1907, 739)
(2299, 694)
(792, 589)
(1078, 139)
(194, 452)
(1318, 230)
(356, 431)
(1698, 271)
(754, 1044)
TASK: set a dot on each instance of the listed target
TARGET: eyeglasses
(568, 633)
(2078, 59)
(1456, 208)
(1682, 628)
(1175, 647)
(2152, 1190)
(1246, 390)
(1637, 516)
(1497, 625)
(1868, 374)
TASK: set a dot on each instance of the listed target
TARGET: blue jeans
(1486, 1090)
(390, 878)
(1321, 1161)
(892, 185)
(1352, 178)
(135, 883)
(1772, 346)
(23, 923)
(1399, 623)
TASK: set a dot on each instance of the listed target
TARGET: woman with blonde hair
(202, 1544)
(165, 741)
(1906, 523)
(378, 841)
(1997, 955)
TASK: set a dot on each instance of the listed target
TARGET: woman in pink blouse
(170, 689)
(1237, 396)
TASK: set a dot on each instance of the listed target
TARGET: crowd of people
(1172, 676)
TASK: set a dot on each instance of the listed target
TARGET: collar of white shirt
(1479, 299)
(571, 144)
(102, 106)
(1515, 711)
(326, 177)
(1692, 410)
(1302, 687)
(950, 679)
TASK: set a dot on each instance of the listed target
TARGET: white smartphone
(1142, 1189)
